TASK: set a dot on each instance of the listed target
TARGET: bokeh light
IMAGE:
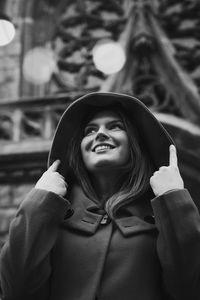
(108, 56)
(7, 32)
(39, 65)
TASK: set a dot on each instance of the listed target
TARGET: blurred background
(53, 51)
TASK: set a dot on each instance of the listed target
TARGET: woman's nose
(101, 136)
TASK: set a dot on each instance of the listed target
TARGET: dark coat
(56, 255)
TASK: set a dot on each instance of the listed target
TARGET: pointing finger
(173, 161)
(54, 166)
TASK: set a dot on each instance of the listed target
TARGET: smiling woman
(110, 218)
(105, 143)
(117, 164)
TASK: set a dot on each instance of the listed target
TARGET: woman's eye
(89, 130)
(116, 126)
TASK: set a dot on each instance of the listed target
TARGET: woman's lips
(102, 146)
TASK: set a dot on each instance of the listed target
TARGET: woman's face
(105, 142)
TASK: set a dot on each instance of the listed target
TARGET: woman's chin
(104, 165)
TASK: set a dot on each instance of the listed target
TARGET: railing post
(17, 121)
(48, 126)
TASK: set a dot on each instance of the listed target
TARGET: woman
(110, 218)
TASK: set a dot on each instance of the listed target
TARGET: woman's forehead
(104, 114)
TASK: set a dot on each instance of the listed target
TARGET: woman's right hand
(53, 181)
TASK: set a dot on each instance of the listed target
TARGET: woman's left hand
(167, 178)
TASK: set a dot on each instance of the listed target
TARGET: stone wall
(11, 195)
(10, 56)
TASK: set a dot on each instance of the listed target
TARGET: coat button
(149, 219)
(105, 220)
(69, 213)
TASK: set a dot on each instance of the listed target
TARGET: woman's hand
(52, 181)
(167, 178)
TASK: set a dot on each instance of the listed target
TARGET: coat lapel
(83, 218)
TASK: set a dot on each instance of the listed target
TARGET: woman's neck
(106, 185)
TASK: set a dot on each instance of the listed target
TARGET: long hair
(136, 173)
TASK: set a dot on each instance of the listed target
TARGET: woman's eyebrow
(109, 122)
(115, 121)
(91, 124)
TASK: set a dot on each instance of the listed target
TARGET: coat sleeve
(178, 244)
(25, 257)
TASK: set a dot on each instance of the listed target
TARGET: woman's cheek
(86, 145)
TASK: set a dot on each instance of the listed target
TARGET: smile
(102, 148)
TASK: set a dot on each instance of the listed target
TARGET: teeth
(99, 148)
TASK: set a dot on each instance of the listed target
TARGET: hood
(153, 134)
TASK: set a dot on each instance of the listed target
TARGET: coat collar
(87, 217)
